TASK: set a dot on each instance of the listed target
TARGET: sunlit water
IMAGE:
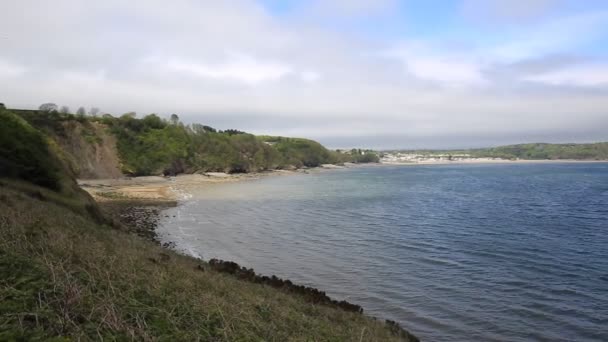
(454, 253)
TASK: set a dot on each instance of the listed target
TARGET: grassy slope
(64, 275)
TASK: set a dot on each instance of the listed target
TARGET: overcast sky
(366, 73)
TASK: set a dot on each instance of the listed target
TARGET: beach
(178, 188)
(158, 188)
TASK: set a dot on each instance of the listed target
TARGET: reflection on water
(468, 252)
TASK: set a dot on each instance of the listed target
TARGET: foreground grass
(66, 277)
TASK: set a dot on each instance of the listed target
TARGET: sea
(487, 252)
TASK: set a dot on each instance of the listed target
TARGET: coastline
(176, 188)
(158, 188)
(137, 205)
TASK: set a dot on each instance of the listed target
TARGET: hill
(69, 272)
(537, 151)
(108, 146)
(533, 151)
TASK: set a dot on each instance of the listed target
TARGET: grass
(64, 276)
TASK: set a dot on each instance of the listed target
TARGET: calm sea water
(454, 253)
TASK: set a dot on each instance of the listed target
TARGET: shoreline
(159, 188)
(138, 206)
(175, 188)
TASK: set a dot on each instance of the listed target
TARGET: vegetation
(33, 164)
(597, 151)
(24, 153)
(69, 273)
(152, 145)
(536, 151)
(64, 276)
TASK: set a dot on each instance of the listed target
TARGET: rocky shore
(137, 216)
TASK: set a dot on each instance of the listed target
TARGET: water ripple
(488, 252)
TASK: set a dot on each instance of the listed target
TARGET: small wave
(181, 194)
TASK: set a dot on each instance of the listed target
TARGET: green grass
(66, 277)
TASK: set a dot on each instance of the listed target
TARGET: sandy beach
(157, 188)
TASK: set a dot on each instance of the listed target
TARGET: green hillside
(596, 151)
(70, 273)
(151, 145)
(534, 151)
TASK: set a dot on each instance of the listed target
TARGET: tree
(48, 107)
(81, 111)
(233, 132)
(64, 110)
(174, 119)
(153, 121)
(2, 106)
(202, 129)
(94, 111)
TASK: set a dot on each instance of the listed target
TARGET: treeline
(534, 151)
(152, 145)
(596, 151)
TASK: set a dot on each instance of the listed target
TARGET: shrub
(25, 154)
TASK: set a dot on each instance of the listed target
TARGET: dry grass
(64, 276)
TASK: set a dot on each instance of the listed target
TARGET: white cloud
(8, 69)
(585, 75)
(445, 71)
(241, 69)
(352, 7)
(506, 10)
(232, 64)
(310, 76)
(429, 64)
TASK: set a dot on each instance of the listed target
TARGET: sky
(349, 73)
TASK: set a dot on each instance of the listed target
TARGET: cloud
(235, 64)
(584, 75)
(506, 11)
(310, 76)
(8, 69)
(353, 7)
(240, 68)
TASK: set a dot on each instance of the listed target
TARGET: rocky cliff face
(89, 149)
